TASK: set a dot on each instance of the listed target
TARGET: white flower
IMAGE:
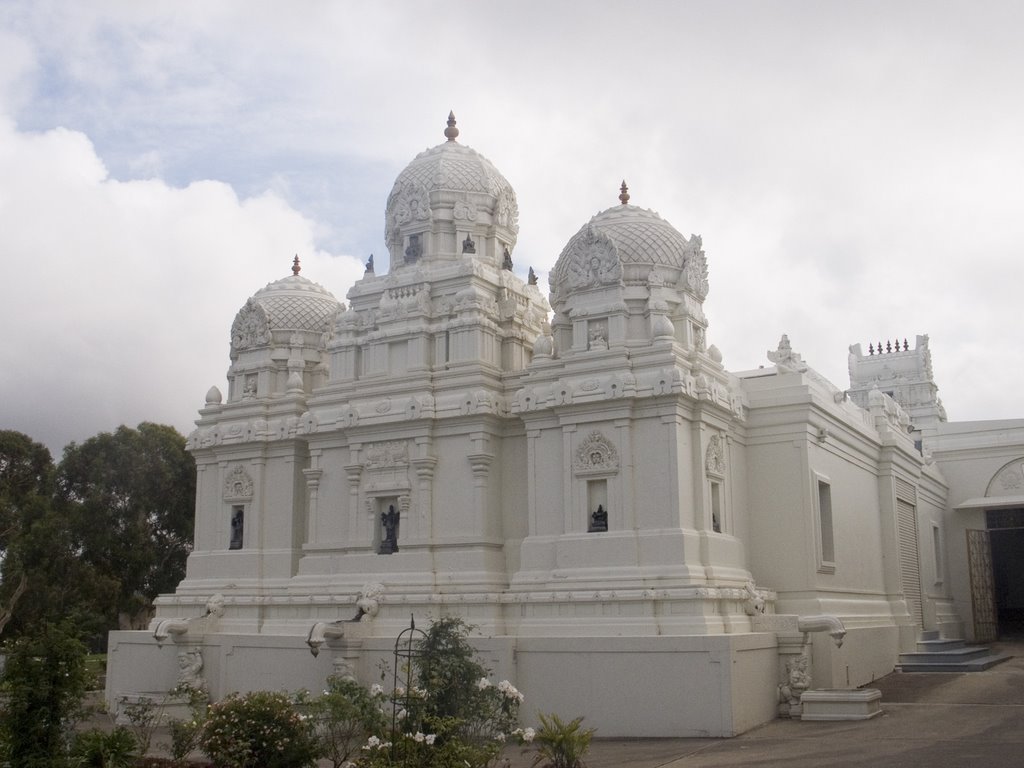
(419, 737)
(528, 735)
(483, 683)
(509, 691)
(399, 691)
(419, 692)
(500, 737)
(376, 689)
(401, 714)
(372, 743)
(429, 738)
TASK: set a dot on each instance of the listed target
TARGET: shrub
(257, 730)
(344, 718)
(98, 749)
(560, 744)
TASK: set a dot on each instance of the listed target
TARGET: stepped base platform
(841, 704)
(936, 654)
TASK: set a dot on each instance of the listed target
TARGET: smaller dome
(635, 235)
(291, 304)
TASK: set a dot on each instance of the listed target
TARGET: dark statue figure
(531, 277)
(389, 523)
(468, 246)
(506, 262)
(598, 520)
(415, 249)
(369, 263)
(237, 528)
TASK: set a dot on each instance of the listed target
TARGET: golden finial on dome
(624, 193)
(295, 265)
(451, 132)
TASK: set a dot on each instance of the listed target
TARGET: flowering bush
(257, 730)
(344, 717)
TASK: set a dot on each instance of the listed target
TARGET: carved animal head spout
(320, 633)
(167, 627)
(824, 623)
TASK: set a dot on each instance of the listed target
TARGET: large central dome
(450, 182)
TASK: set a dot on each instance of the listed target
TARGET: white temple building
(640, 536)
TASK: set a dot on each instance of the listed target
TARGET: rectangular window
(826, 540)
(937, 548)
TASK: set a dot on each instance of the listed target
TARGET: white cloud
(854, 170)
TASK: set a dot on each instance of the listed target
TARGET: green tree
(129, 496)
(44, 680)
(26, 485)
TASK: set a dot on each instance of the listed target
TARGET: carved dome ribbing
(450, 168)
(292, 303)
(639, 240)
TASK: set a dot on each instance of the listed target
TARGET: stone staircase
(937, 654)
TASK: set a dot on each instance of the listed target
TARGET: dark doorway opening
(1008, 580)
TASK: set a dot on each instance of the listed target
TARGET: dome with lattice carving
(627, 243)
(291, 304)
(452, 176)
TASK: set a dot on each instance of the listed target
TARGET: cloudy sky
(856, 171)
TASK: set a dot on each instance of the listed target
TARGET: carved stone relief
(251, 328)
(714, 458)
(594, 261)
(237, 483)
(596, 454)
(1008, 481)
(382, 455)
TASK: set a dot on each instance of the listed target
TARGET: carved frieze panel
(387, 455)
(237, 484)
(596, 455)
(594, 261)
(695, 273)
(714, 457)
(250, 328)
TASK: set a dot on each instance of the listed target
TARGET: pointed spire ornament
(624, 193)
(295, 265)
(451, 132)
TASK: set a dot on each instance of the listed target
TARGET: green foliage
(185, 734)
(44, 679)
(452, 715)
(344, 717)
(96, 748)
(129, 497)
(257, 730)
(560, 744)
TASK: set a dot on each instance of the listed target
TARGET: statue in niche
(414, 251)
(468, 246)
(506, 260)
(369, 264)
(389, 525)
(598, 338)
(531, 277)
(598, 520)
(190, 668)
(237, 528)
(250, 388)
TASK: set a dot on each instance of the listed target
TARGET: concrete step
(939, 644)
(936, 654)
(972, 664)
